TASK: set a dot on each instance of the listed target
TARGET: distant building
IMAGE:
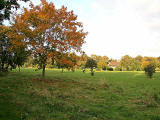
(114, 64)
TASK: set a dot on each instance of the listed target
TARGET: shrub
(104, 68)
(149, 70)
(50, 66)
(118, 69)
(98, 69)
(157, 69)
(110, 69)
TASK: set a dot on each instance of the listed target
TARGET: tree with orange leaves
(67, 60)
(46, 31)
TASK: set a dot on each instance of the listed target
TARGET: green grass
(78, 96)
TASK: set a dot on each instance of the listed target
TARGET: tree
(4, 45)
(139, 58)
(5, 8)
(126, 62)
(134, 65)
(158, 62)
(6, 56)
(47, 31)
(91, 64)
(68, 61)
(102, 61)
(10, 55)
(20, 56)
(74, 59)
(62, 61)
(144, 64)
(149, 60)
(138, 62)
(82, 61)
(149, 70)
(101, 65)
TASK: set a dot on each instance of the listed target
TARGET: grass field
(78, 96)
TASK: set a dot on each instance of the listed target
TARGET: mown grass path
(78, 96)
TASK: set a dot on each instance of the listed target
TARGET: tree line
(126, 63)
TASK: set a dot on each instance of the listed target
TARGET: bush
(157, 69)
(50, 66)
(149, 70)
(104, 68)
(98, 69)
(110, 69)
(118, 69)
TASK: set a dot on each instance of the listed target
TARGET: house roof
(114, 63)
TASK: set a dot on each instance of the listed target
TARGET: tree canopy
(5, 8)
(47, 31)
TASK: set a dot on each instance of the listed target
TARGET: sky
(117, 27)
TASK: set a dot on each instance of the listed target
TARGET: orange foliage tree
(47, 30)
(66, 61)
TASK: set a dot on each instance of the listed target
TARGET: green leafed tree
(5, 8)
(10, 55)
(126, 62)
(91, 63)
(149, 70)
(20, 56)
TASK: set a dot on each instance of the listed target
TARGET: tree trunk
(43, 71)
(62, 70)
(84, 70)
(19, 69)
(92, 72)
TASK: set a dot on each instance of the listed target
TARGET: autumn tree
(67, 60)
(82, 61)
(138, 60)
(74, 59)
(102, 61)
(149, 60)
(61, 61)
(94, 56)
(126, 62)
(158, 62)
(47, 30)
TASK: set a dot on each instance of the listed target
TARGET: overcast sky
(118, 27)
